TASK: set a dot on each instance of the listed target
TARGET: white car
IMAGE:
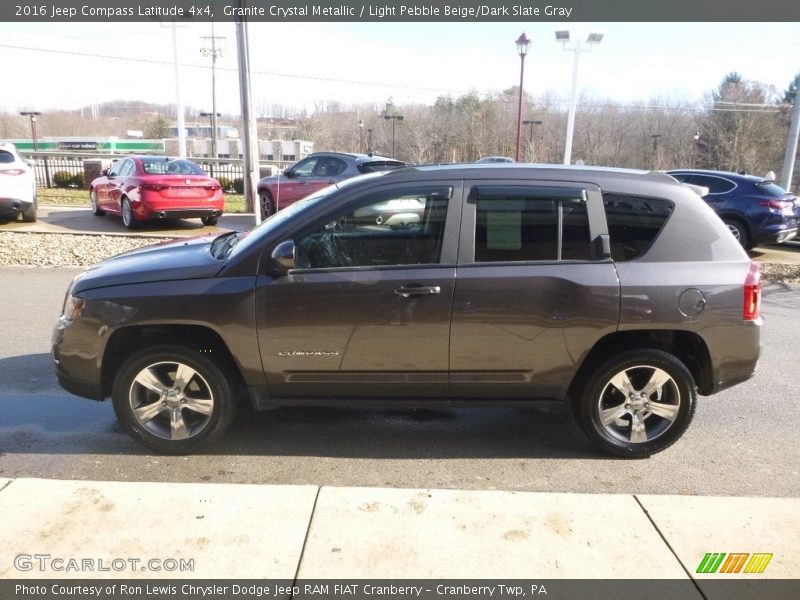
(17, 186)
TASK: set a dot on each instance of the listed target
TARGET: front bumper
(11, 207)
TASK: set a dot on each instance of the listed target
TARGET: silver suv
(620, 293)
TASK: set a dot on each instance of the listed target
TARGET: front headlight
(72, 307)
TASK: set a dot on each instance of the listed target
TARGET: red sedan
(155, 187)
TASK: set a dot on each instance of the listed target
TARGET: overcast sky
(68, 65)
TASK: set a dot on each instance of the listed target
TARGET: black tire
(96, 210)
(600, 399)
(128, 218)
(739, 231)
(209, 220)
(208, 389)
(29, 214)
(267, 204)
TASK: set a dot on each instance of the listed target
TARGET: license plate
(188, 192)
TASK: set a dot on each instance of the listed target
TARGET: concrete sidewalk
(306, 532)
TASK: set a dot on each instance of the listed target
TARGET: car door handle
(417, 290)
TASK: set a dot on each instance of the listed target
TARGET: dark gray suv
(618, 292)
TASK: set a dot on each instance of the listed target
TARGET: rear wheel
(29, 214)
(173, 399)
(637, 403)
(128, 218)
(96, 210)
(210, 220)
(739, 231)
(267, 204)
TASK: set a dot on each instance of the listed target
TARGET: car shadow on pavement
(38, 417)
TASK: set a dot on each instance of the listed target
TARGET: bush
(62, 179)
(238, 185)
(226, 183)
(78, 181)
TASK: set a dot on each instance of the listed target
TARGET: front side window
(515, 227)
(305, 168)
(388, 230)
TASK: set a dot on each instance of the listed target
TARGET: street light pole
(656, 137)
(393, 118)
(32, 114)
(530, 135)
(215, 52)
(563, 36)
(522, 49)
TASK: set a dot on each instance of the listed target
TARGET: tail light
(752, 293)
(153, 187)
(212, 187)
(779, 205)
(12, 171)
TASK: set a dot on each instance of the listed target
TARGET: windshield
(307, 203)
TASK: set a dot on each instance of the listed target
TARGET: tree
(157, 128)
(790, 95)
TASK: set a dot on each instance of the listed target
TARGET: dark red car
(156, 187)
(314, 173)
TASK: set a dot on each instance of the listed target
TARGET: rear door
(366, 310)
(534, 290)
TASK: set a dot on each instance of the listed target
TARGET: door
(534, 290)
(366, 310)
(291, 188)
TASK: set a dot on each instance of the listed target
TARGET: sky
(302, 65)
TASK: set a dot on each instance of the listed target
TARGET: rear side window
(6, 157)
(633, 223)
(715, 185)
(516, 228)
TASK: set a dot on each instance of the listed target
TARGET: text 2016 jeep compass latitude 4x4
(619, 292)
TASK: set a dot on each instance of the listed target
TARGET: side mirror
(104, 172)
(283, 255)
(289, 172)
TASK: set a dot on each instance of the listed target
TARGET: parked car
(756, 210)
(617, 292)
(139, 188)
(17, 186)
(315, 172)
(495, 159)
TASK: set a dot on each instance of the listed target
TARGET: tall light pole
(522, 49)
(178, 104)
(656, 137)
(32, 114)
(393, 118)
(250, 152)
(790, 156)
(563, 36)
(530, 135)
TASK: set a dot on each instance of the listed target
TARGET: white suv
(17, 186)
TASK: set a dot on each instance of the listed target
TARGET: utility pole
(791, 145)
(214, 52)
(32, 114)
(656, 137)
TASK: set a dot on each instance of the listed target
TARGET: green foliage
(157, 128)
(62, 179)
(790, 95)
(226, 183)
(238, 185)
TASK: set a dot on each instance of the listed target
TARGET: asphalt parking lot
(743, 442)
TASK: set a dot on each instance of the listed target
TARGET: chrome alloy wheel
(171, 400)
(735, 231)
(639, 404)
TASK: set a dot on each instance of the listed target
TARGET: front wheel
(172, 399)
(637, 403)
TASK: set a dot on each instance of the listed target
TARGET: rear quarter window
(634, 222)
(6, 157)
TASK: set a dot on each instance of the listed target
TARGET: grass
(234, 203)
